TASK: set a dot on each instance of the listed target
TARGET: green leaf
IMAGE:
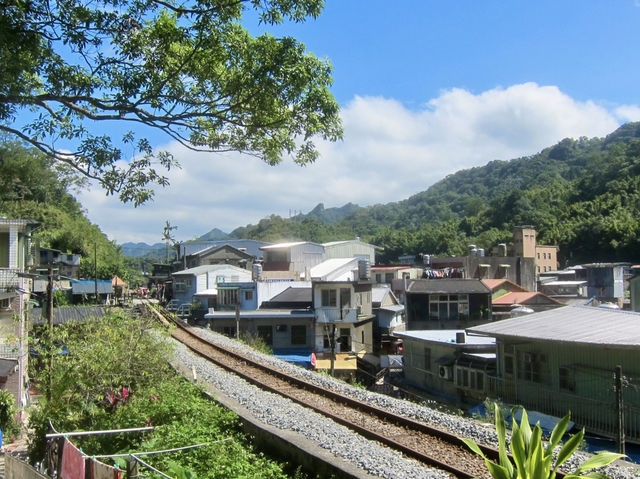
(569, 448)
(471, 444)
(558, 432)
(497, 471)
(599, 460)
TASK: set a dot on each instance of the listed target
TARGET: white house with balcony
(15, 287)
(342, 303)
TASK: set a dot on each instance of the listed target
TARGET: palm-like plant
(531, 459)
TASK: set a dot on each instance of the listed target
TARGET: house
(67, 264)
(564, 360)
(505, 296)
(82, 290)
(285, 323)
(448, 364)
(342, 303)
(220, 254)
(290, 260)
(15, 292)
(517, 269)
(525, 245)
(447, 303)
(389, 318)
(207, 282)
(605, 281)
(568, 285)
(350, 249)
(396, 277)
(248, 246)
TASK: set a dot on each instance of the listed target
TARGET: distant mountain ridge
(581, 194)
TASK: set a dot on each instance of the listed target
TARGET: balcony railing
(336, 315)
(9, 279)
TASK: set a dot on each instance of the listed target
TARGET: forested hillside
(582, 195)
(32, 186)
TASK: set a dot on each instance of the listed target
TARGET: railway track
(420, 441)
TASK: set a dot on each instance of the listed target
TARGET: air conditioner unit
(445, 372)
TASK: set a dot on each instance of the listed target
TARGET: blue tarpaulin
(300, 357)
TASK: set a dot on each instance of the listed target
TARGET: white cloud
(628, 113)
(388, 153)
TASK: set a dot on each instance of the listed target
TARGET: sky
(426, 88)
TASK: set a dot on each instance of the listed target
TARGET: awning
(484, 265)
(505, 266)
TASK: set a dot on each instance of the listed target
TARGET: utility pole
(95, 270)
(620, 439)
(332, 343)
(237, 318)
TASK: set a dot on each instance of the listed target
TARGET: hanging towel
(72, 462)
(100, 470)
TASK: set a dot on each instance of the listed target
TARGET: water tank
(426, 259)
(473, 251)
(364, 269)
(480, 251)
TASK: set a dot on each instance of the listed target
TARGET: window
(248, 295)
(444, 307)
(538, 255)
(567, 380)
(378, 278)
(468, 378)
(281, 328)
(299, 335)
(388, 277)
(179, 286)
(427, 359)
(329, 298)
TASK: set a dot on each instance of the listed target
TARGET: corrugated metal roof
(287, 245)
(521, 297)
(68, 314)
(444, 336)
(89, 287)
(205, 268)
(447, 286)
(293, 295)
(570, 324)
(330, 265)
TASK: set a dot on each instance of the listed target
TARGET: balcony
(336, 315)
(9, 280)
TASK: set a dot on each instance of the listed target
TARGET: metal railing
(9, 280)
(336, 315)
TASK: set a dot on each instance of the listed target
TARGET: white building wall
(13, 247)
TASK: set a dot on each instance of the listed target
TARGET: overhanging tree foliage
(71, 69)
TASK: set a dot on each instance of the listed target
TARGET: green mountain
(581, 194)
(214, 235)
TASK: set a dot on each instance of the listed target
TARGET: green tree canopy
(185, 68)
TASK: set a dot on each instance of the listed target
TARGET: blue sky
(426, 88)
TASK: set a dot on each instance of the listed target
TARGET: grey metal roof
(570, 324)
(447, 286)
(205, 268)
(89, 287)
(292, 295)
(68, 314)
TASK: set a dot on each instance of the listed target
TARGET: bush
(8, 424)
(531, 460)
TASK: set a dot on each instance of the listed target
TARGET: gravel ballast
(368, 456)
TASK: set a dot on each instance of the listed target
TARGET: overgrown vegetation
(116, 375)
(8, 424)
(32, 186)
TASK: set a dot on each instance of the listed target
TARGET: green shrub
(8, 423)
(531, 459)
